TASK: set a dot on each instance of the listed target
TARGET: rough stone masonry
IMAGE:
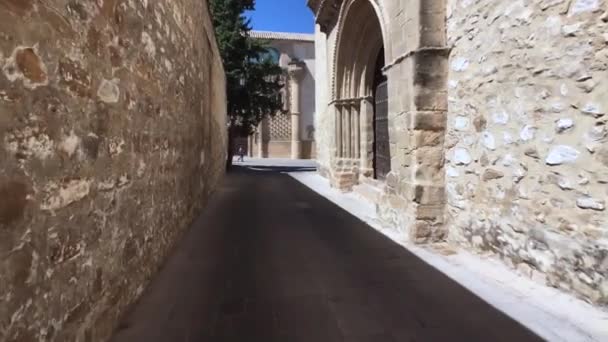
(112, 115)
(527, 142)
(498, 132)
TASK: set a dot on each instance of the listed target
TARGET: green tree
(254, 82)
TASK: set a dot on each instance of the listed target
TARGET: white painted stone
(489, 70)
(461, 123)
(507, 138)
(488, 140)
(558, 107)
(462, 156)
(519, 174)
(453, 84)
(564, 124)
(508, 160)
(109, 91)
(460, 64)
(452, 172)
(564, 183)
(571, 30)
(553, 25)
(563, 89)
(593, 109)
(527, 133)
(580, 6)
(469, 140)
(562, 154)
(477, 241)
(596, 133)
(500, 117)
(591, 203)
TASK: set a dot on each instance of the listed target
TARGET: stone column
(296, 71)
(261, 139)
(338, 129)
(366, 117)
(250, 140)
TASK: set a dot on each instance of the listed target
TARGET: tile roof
(282, 36)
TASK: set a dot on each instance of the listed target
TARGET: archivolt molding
(337, 51)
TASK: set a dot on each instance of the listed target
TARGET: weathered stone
(19, 7)
(69, 193)
(14, 200)
(564, 183)
(490, 174)
(602, 156)
(109, 91)
(30, 65)
(546, 4)
(587, 86)
(549, 57)
(480, 123)
(83, 230)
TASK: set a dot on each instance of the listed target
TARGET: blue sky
(282, 16)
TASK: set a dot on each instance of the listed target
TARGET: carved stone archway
(416, 67)
(359, 43)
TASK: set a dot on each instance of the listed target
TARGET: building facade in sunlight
(289, 135)
(481, 123)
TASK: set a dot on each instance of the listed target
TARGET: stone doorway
(398, 66)
(381, 145)
(358, 62)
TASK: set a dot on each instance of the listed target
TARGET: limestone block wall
(324, 116)
(323, 133)
(112, 116)
(527, 146)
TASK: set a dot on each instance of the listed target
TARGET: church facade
(289, 134)
(477, 123)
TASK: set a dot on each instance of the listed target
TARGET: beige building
(481, 123)
(290, 135)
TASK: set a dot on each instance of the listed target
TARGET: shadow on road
(275, 169)
(270, 260)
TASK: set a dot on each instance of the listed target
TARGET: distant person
(241, 153)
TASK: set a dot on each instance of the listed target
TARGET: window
(272, 54)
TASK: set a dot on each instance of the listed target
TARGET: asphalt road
(271, 260)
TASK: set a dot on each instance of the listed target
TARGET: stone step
(370, 192)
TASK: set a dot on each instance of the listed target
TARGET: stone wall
(526, 149)
(111, 121)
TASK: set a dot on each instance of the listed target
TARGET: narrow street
(271, 260)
